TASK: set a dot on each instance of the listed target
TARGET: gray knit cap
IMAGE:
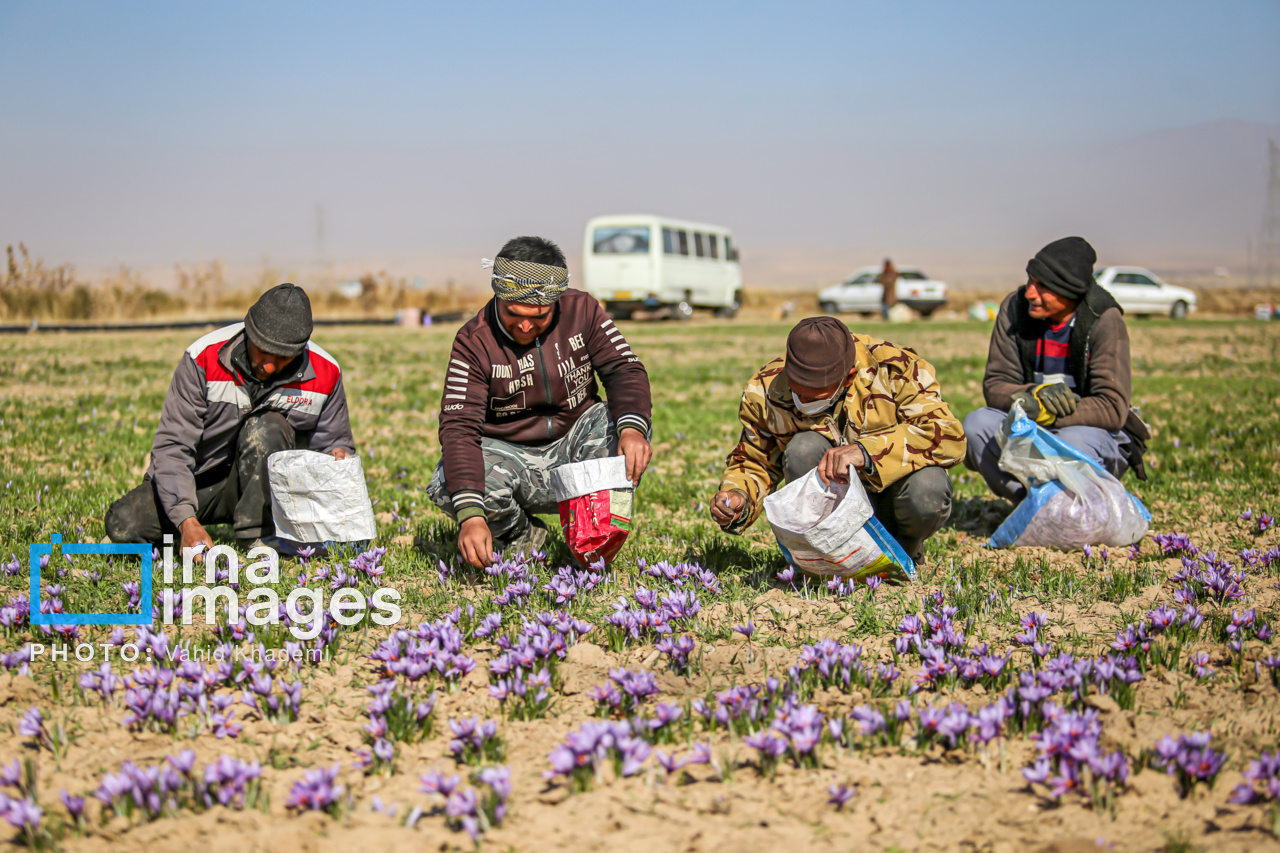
(280, 321)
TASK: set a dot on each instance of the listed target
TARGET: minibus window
(683, 237)
(621, 241)
(697, 245)
(713, 245)
(668, 241)
(730, 250)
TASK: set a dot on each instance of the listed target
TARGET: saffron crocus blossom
(1190, 758)
(840, 795)
(435, 782)
(317, 790)
(24, 814)
(32, 724)
(73, 805)
(745, 630)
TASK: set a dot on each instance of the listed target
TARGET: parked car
(1140, 291)
(862, 292)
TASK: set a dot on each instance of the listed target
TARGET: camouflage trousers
(517, 477)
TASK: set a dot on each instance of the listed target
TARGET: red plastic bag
(595, 500)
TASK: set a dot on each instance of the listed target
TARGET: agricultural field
(691, 697)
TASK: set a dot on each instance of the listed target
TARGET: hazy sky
(825, 134)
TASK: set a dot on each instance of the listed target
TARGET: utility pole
(1269, 239)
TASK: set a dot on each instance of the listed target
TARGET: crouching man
(1060, 347)
(238, 395)
(837, 400)
(520, 398)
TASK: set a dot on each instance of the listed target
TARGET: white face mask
(817, 407)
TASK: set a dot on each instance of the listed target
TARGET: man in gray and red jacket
(238, 395)
(521, 398)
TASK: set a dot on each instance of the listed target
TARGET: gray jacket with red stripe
(207, 402)
(533, 394)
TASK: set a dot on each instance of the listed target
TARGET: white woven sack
(317, 498)
(821, 525)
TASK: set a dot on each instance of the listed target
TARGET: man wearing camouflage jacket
(837, 400)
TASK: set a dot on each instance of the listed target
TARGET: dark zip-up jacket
(533, 394)
(1098, 356)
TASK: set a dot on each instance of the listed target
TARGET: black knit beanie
(280, 321)
(1065, 266)
(820, 352)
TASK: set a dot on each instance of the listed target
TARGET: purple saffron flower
(745, 630)
(1038, 773)
(839, 795)
(435, 782)
(317, 790)
(32, 723)
(24, 814)
(73, 805)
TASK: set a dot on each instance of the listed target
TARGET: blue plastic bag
(1072, 501)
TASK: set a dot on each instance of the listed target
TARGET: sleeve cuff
(181, 514)
(467, 503)
(868, 466)
(636, 422)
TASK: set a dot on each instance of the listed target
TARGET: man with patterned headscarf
(838, 400)
(521, 398)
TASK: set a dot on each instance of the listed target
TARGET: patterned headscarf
(527, 282)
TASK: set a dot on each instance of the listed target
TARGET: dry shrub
(30, 290)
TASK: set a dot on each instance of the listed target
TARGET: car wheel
(828, 308)
(1179, 310)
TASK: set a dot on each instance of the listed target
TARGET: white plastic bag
(1071, 501)
(316, 498)
(830, 530)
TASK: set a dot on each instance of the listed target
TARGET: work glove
(1031, 406)
(1056, 398)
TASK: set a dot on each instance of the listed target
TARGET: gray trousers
(517, 477)
(237, 493)
(983, 454)
(911, 509)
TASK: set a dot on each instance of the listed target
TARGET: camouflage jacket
(894, 409)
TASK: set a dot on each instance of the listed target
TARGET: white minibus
(665, 266)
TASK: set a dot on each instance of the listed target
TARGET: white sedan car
(1140, 291)
(862, 291)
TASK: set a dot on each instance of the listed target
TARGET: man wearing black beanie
(1061, 348)
(238, 395)
(837, 401)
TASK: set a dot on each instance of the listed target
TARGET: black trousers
(237, 493)
(911, 509)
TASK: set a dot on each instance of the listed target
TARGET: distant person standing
(888, 279)
(1060, 347)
